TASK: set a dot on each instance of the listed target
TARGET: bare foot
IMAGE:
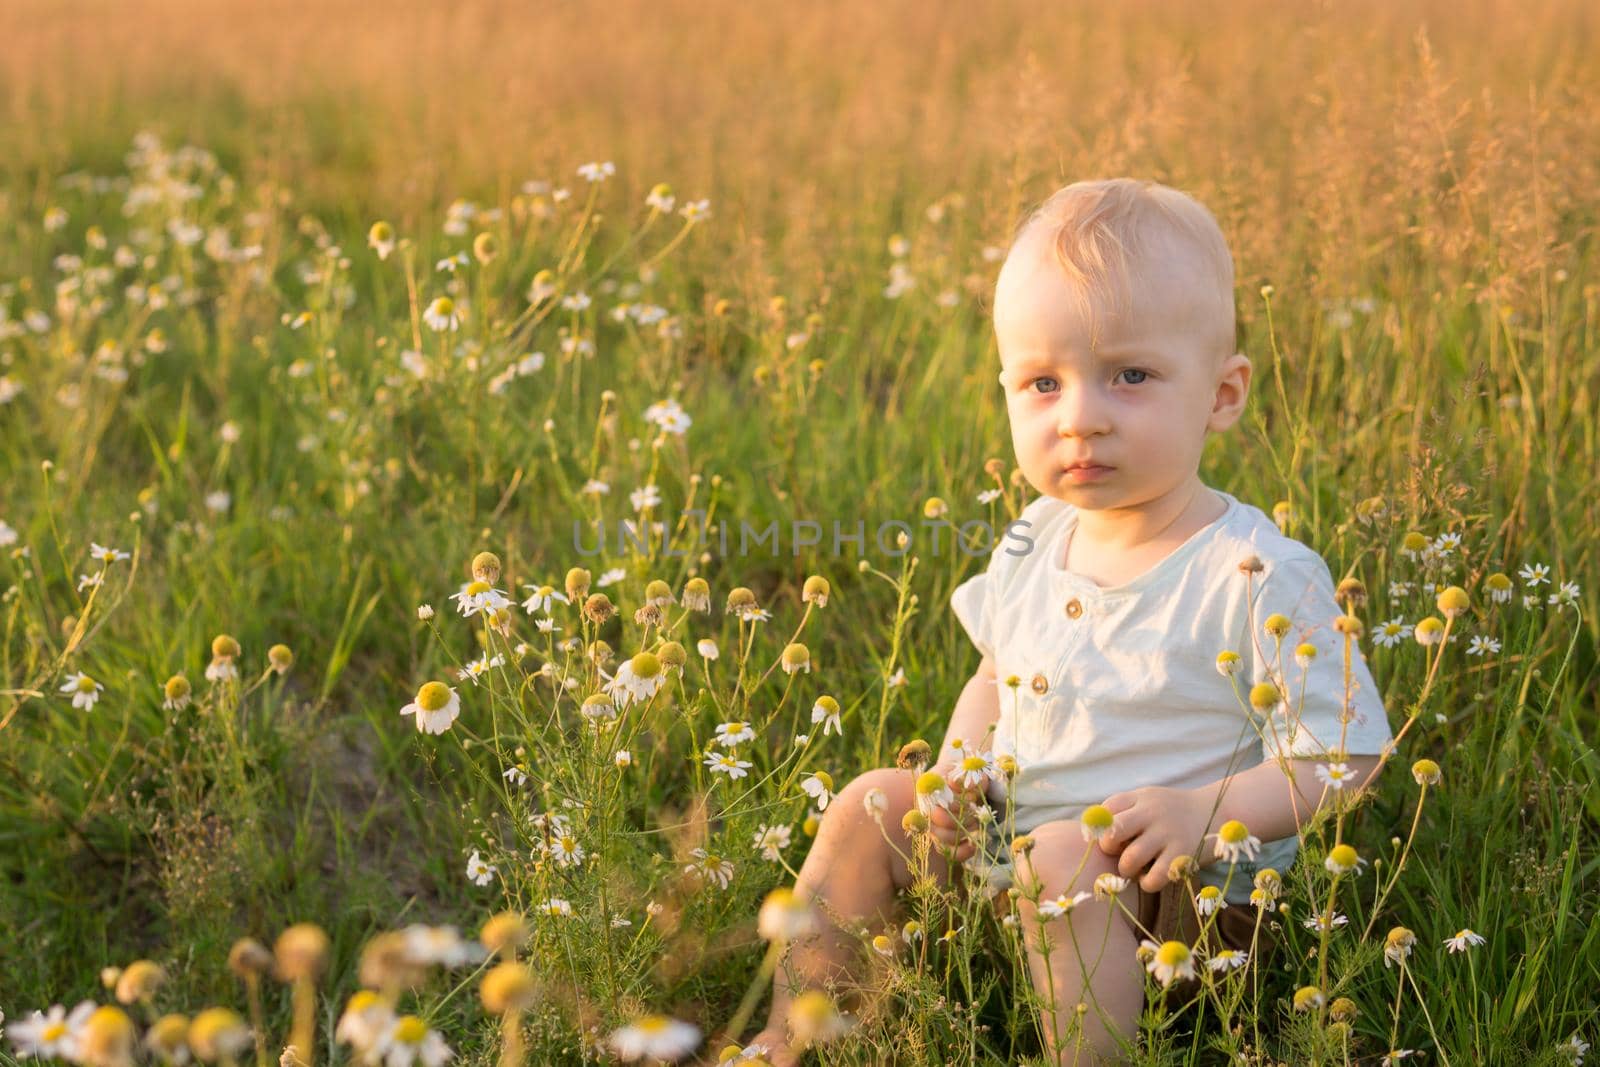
(778, 1053)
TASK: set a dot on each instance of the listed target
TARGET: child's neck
(1110, 539)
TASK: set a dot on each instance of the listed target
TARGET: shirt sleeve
(976, 601)
(1313, 717)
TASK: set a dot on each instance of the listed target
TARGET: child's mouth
(1086, 474)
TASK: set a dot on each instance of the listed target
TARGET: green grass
(359, 492)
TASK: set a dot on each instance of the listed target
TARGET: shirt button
(1040, 684)
(1074, 608)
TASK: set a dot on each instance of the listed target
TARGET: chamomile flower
(976, 772)
(911, 932)
(1462, 940)
(479, 596)
(409, 1041)
(597, 171)
(1169, 960)
(770, 841)
(106, 555)
(543, 598)
(933, 792)
(1234, 840)
(1228, 959)
(380, 238)
(1534, 573)
(725, 763)
(1335, 775)
(84, 689)
(1394, 1056)
(696, 210)
(622, 759)
(707, 648)
(479, 871)
(785, 916)
(1109, 885)
(1342, 859)
(826, 711)
(436, 707)
(1397, 945)
(52, 1035)
(710, 867)
(818, 785)
(516, 775)
(556, 908)
(89, 581)
(1209, 899)
(660, 1037)
(176, 693)
(479, 667)
(1322, 921)
(639, 678)
(733, 733)
(1566, 596)
(646, 496)
(1060, 905)
(1391, 633)
(1499, 587)
(565, 850)
(366, 1018)
(1480, 645)
(442, 315)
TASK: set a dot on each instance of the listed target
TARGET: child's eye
(1047, 381)
(1130, 370)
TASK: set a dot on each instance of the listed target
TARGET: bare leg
(1108, 978)
(852, 873)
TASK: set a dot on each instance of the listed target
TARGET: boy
(1101, 675)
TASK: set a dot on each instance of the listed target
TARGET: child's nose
(1079, 414)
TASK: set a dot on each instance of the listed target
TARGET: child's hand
(1152, 827)
(955, 830)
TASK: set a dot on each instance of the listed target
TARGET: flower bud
(577, 583)
(816, 591)
(598, 608)
(280, 658)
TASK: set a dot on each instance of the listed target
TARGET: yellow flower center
(54, 1031)
(433, 696)
(824, 779)
(477, 588)
(652, 1024)
(1263, 695)
(736, 727)
(1172, 953)
(85, 684)
(361, 1000)
(410, 1029)
(443, 306)
(646, 664)
(929, 782)
(1233, 832)
(974, 763)
(1343, 855)
(1097, 817)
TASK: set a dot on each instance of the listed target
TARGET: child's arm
(976, 712)
(1268, 803)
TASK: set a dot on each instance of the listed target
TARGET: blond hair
(1105, 233)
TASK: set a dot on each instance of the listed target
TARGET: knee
(849, 805)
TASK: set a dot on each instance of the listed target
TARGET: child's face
(1138, 399)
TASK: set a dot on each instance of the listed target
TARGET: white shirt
(1120, 687)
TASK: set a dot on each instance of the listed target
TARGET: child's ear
(1233, 389)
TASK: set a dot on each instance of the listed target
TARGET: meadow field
(324, 325)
